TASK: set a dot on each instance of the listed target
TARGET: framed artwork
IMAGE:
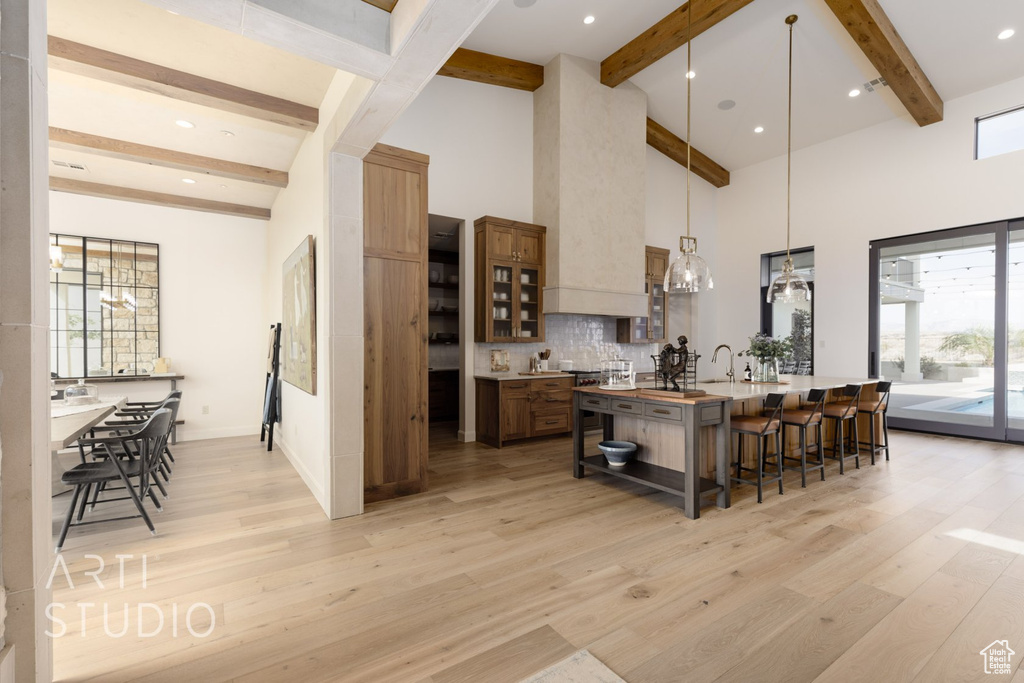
(298, 329)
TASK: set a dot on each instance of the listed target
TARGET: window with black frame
(104, 306)
(782, 320)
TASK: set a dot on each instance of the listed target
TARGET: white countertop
(505, 376)
(797, 384)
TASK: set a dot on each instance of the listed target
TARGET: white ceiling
(744, 58)
(151, 34)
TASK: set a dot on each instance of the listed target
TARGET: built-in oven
(584, 378)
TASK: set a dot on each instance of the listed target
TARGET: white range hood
(589, 189)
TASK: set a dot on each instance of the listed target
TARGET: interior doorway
(447, 309)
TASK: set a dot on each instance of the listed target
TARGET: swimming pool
(983, 406)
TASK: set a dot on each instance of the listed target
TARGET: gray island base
(682, 443)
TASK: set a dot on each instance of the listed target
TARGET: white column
(26, 536)
(912, 344)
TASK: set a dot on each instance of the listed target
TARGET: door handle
(659, 411)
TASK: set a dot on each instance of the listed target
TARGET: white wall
(301, 209)
(480, 142)
(211, 305)
(694, 315)
(891, 179)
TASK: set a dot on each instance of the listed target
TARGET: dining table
(68, 423)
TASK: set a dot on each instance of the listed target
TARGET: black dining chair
(133, 456)
(841, 411)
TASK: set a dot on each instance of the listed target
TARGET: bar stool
(873, 408)
(761, 427)
(841, 411)
(810, 415)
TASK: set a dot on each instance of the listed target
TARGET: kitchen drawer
(589, 402)
(544, 400)
(515, 388)
(552, 384)
(663, 412)
(619, 405)
(711, 414)
(555, 422)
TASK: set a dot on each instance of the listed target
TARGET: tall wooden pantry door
(395, 323)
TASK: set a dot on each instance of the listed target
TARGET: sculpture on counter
(674, 362)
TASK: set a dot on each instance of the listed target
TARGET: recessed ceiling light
(185, 124)
(726, 105)
(854, 93)
(188, 181)
(524, 3)
(690, 74)
(227, 133)
(759, 129)
(1008, 33)
(589, 19)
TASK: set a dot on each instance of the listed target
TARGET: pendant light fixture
(789, 288)
(689, 273)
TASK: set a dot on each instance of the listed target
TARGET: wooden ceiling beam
(159, 198)
(166, 158)
(493, 70)
(386, 5)
(674, 147)
(869, 26)
(111, 67)
(665, 37)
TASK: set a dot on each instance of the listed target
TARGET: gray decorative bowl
(617, 453)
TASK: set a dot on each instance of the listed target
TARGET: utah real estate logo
(997, 657)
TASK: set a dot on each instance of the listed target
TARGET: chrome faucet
(731, 374)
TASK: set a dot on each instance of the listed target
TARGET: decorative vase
(767, 370)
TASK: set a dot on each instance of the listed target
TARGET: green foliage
(764, 347)
(801, 337)
(976, 341)
(930, 368)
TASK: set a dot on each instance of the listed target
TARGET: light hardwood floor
(899, 572)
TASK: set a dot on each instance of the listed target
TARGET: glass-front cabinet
(654, 326)
(509, 281)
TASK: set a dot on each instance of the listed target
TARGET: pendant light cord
(789, 133)
(689, 17)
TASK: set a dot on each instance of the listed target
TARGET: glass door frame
(1000, 229)
(1014, 226)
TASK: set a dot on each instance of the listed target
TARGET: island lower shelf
(654, 476)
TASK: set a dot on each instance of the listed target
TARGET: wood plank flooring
(899, 572)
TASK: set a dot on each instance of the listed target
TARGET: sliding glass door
(947, 317)
(1015, 331)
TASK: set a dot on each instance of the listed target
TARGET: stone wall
(129, 321)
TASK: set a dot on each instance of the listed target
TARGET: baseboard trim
(306, 476)
(465, 436)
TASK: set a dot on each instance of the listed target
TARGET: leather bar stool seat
(872, 409)
(762, 427)
(843, 410)
(808, 417)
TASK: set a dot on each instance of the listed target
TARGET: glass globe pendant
(789, 288)
(689, 273)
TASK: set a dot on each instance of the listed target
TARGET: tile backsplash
(584, 339)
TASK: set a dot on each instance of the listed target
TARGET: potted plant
(767, 351)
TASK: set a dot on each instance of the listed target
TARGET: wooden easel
(270, 413)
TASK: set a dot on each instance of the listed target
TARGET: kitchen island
(682, 443)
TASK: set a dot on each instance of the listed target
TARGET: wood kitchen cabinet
(507, 410)
(654, 327)
(509, 267)
(394, 323)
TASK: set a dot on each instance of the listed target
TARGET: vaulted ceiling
(743, 60)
